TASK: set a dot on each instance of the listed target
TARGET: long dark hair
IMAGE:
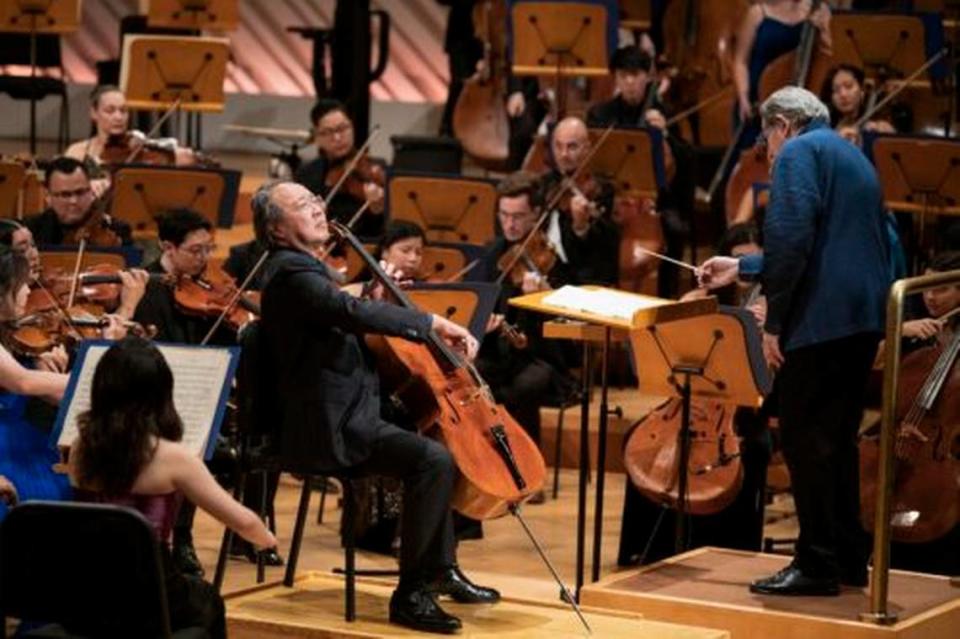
(14, 273)
(826, 91)
(131, 405)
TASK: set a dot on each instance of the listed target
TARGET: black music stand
(559, 40)
(213, 15)
(35, 17)
(718, 356)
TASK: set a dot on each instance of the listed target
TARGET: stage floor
(314, 608)
(709, 586)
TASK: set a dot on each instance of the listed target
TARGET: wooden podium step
(313, 608)
(708, 587)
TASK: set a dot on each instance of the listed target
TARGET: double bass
(500, 465)
(806, 66)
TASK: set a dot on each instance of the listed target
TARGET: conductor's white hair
(798, 106)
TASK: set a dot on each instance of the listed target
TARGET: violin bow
(352, 164)
(236, 296)
(564, 185)
(75, 278)
(904, 83)
(156, 127)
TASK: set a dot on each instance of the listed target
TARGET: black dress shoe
(418, 609)
(243, 549)
(455, 584)
(185, 559)
(792, 582)
(854, 577)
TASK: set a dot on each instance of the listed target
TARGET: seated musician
(845, 95)
(18, 237)
(581, 228)
(128, 453)
(319, 385)
(937, 302)
(72, 210)
(111, 120)
(336, 147)
(521, 378)
(637, 104)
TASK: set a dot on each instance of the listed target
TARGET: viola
(365, 171)
(926, 489)
(500, 466)
(211, 293)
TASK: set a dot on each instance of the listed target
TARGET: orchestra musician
(825, 271)
(845, 95)
(580, 229)
(72, 207)
(336, 147)
(18, 237)
(322, 392)
(128, 453)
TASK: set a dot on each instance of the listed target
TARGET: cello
(806, 66)
(926, 488)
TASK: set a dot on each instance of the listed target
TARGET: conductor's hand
(771, 350)
(456, 335)
(718, 271)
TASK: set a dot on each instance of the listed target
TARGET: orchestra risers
(634, 406)
(709, 586)
(313, 608)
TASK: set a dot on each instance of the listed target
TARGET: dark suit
(323, 394)
(48, 231)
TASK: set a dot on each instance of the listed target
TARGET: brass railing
(880, 579)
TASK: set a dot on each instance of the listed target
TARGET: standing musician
(825, 272)
(580, 228)
(72, 208)
(336, 147)
(521, 378)
(322, 392)
(637, 104)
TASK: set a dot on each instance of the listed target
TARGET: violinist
(845, 95)
(73, 209)
(111, 121)
(826, 274)
(18, 237)
(320, 387)
(637, 104)
(336, 146)
(521, 378)
(581, 230)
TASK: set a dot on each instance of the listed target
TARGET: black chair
(84, 570)
(15, 50)
(426, 154)
(257, 458)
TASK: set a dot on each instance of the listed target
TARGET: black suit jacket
(318, 377)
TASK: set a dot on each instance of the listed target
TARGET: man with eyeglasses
(336, 145)
(70, 201)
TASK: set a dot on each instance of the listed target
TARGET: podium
(611, 311)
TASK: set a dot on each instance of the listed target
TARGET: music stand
(13, 176)
(469, 304)
(142, 193)
(883, 45)
(632, 159)
(38, 17)
(156, 71)
(559, 40)
(449, 209)
(642, 311)
(716, 356)
(635, 14)
(919, 175)
(213, 15)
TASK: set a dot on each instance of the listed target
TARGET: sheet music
(199, 375)
(615, 304)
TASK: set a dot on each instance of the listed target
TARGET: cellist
(320, 385)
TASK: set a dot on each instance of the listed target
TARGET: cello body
(714, 473)
(926, 488)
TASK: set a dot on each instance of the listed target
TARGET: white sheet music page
(198, 379)
(609, 303)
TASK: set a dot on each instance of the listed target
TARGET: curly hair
(131, 407)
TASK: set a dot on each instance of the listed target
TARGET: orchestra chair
(15, 50)
(427, 154)
(256, 457)
(84, 570)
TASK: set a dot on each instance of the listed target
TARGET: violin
(365, 171)
(98, 284)
(926, 488)
(500, 465)
(38, 333)
(535, 256)
(130, 147)
(211, 293)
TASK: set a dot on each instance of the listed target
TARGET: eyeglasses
(199, 250)
(340, 129)
(66, 195)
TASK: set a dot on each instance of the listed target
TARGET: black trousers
(427, 471)
(821, 402)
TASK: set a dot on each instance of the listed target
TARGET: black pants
(193, 602)
(822, 390)
(427, 470)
